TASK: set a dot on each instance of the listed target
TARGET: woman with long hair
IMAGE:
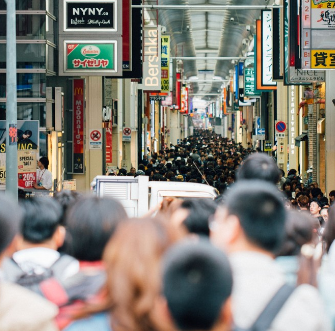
(132, 260)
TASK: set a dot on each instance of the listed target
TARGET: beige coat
(21, 309)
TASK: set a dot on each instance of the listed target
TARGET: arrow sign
(260, 131)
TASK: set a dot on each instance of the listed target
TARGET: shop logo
(90, 51)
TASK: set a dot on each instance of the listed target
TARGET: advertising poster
(78, 126)
(165, 63)
(28, 147)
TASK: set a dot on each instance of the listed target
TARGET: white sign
(126, 134)
(323, 18)
(280, 135)
(267, 78)
(95, 139)
(152, 59)
(305, 76)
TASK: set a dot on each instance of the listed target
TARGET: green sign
(249, 78)
(90, 56)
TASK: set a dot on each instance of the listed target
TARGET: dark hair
(260, 209)
(299, 231)
(199, 212)
(41, 217)
(91, 221)
(197, 281)
(332, 193)
(316, 192)
(259, 166)
(28, 133)
(44, 160)
(66, 198)
(10, 216)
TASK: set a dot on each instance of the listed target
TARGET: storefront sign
(292, 119)
(109, 147)
(165, 63)
(152, 56)
(27, 145)
(78, 126)
(93, 56)
(323, 59)
(95, 15)
(267, 79)
(306, 76)
(27, 162)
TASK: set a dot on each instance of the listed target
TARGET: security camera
(232, 19)
(163, 28)
(187, 28)
(247, 27)
(333, 101)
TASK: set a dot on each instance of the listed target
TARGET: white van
(138, 194)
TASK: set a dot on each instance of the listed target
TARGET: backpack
(43, 281)
(266, 317)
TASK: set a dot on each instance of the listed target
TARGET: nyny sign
(83, 15)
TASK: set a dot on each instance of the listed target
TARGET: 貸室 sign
(90, 56)
(90, 15)
(318, 34)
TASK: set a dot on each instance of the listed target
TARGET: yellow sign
(165, 63)
(323, 3)
(323, 59)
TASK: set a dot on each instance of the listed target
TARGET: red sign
(126, 26)
(26, 179)
(127, 131)
(78, 126)
(178, 90)
(280, 126)
(109, 145)
(95, 135)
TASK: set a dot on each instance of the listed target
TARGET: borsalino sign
(93, 15)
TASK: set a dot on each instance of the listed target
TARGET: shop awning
(302, 137)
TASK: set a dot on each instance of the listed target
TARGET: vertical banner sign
(249, 77)
(165, 63)
(267, 78)
(182, 110)
(178, 90)
(186, 101)
(322, 21)
(306, 34)
(108, 151)
(152, 56)
(78, 126)
(240, 82)
(126, 38)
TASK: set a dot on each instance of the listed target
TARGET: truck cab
(138, 194)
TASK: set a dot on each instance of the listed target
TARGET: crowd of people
(252, 259)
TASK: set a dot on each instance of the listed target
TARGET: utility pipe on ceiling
(221, 58)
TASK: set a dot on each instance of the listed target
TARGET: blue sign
(260, 131)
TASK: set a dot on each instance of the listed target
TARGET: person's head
(91, 221)
(41, 223)
(133, 170)
(303, 202)
(27, 134)
(316, 193)
(332, 196)
(251, 218)
(43, 162)
(10, 216)
(324, 214)
(197, 284)
(287, 186)
(329, 233)
(132, 258)
(315, 207)
(193, 215)
(259, 166)
(298, 232)
(66, 198)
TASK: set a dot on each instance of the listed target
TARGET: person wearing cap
(43, 175)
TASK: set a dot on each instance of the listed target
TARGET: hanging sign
(78, 126)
